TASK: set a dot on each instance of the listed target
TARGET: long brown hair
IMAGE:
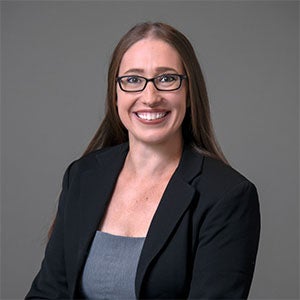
(197, 127)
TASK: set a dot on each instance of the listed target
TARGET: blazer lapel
(176, 199)
(96, 187)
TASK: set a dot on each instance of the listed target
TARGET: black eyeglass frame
(181, 77)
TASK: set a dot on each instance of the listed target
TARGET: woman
(152, 210)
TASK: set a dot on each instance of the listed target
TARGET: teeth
(151, 116)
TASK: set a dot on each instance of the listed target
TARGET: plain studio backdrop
(54, 59)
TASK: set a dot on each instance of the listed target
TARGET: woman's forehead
(150, 54)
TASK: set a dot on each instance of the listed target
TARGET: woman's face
(152, 116)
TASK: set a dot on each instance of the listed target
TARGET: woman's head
(196, 126)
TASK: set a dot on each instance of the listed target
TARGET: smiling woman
(152, 210)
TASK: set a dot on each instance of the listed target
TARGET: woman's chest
(132, 207)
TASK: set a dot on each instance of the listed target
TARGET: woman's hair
(197, 127)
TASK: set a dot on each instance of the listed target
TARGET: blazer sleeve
(228, 241)
(50, 282)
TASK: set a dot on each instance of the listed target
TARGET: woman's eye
(167, 78)
(133, 79)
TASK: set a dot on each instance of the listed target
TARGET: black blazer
(201, 244)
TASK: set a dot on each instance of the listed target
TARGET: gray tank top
(110, 269)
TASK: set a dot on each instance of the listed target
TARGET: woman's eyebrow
(157, 70)
(135, 70)
(165, 69)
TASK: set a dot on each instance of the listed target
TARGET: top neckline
(99, 232)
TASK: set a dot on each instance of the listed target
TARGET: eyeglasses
(165, 82)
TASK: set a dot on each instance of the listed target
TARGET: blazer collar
(190, 164)
(97, 185)
(175, 201)
(112, 160)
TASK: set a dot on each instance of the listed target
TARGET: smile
(149, 116)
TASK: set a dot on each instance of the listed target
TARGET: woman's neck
(158, 160)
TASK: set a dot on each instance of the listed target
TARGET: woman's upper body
(201, 243)
(153, 119)
(199, 217)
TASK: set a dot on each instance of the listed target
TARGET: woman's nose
(151, 95)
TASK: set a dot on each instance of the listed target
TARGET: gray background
(54, 62)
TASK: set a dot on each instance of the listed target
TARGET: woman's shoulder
(95, 158)
(217, 178)
(217, 170)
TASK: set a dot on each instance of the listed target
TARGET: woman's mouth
(151, 116)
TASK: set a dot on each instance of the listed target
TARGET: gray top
(110, 269)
